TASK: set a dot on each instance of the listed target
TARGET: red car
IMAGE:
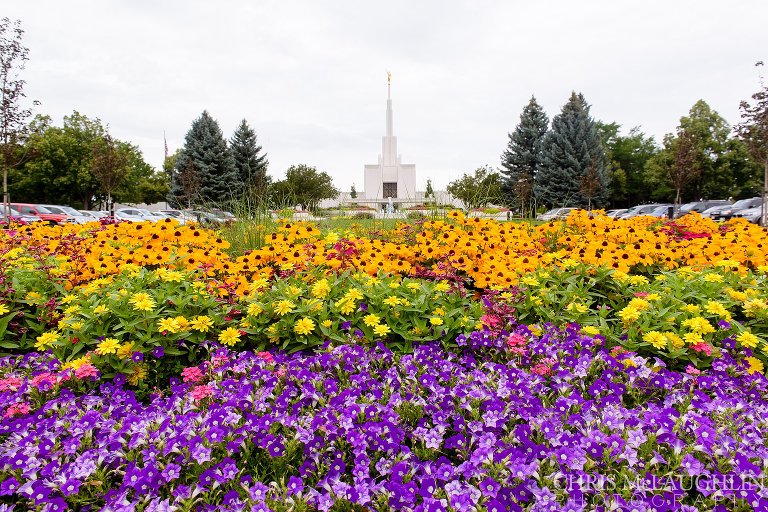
(42, 212)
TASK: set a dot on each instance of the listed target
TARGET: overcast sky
(310, 76)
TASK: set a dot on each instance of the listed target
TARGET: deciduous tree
(13, 115)
(753, 130)
(304, 186)
(479, 189)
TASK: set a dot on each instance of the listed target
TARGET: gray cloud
(310, 76)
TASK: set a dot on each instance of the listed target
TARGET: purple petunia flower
(158, 352)
(295, 485)
(137, 357)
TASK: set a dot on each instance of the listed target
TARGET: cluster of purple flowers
(429, 431)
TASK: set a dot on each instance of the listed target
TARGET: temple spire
(390, 131)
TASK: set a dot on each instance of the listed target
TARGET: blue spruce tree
(573, 170)
(205, 170)
(522, 158)
(251, 165)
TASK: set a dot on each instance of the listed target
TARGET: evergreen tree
(522, 157)
(250, 164)
(568, 150)
(206, 160)
(353, 192)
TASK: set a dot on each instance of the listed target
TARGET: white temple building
(390, 181)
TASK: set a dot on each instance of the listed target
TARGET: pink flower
(280, 373)
(541, 369)
(516, 340)
(87, 370)
(18, 409)
(642, 295)
(201, 392)
(219, 361)
(702, 347)
(44, 380)
(192, 374)
(491, 321)
(266, 356)
(690, 370)
(10, 384)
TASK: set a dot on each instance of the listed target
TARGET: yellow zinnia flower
(381, 330)
(391, 301)
(748, 340)
(254, 309)
(229, 336)
(3, 309)
(201, 323)
(371, 320)
(304, 326)
(321, 288)
(284, 307)
(655, 338)
(755, 365)
(436, 320)
(108, 346)
(168, 324)
(629, 315)
(46, 339)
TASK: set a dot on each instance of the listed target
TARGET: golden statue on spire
(389, 76)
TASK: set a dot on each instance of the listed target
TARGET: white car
(74, 215)
(134, 215)
(556, 213)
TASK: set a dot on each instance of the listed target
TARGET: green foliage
(250, 163)
(205, 170)
(339, 306)
(625, 308)
(478, 190)
(569, 151)
(626, 157)
(726, 169)
(522, 158)
(753, 130)
(61, 169)
(13, 115)
(303, 185)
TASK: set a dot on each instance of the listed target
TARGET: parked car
(18, 217)
(95, 214)
(42, 212)
(715, 210)
(75, 215)
(134, 215)
(641, 209)
(743, 204)
(181, 216)
(555, 213)
(615, 213)
(662, 211)
(753, 215)
(700, 206)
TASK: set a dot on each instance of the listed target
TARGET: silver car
(753, 215)
(555, 214)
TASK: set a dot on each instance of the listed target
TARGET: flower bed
(560, 421)
(462, 364)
